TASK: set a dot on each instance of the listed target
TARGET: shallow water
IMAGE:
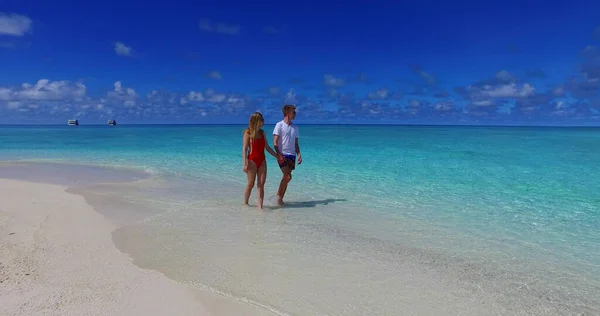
(380, 219)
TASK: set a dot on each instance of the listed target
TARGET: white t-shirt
(287, 137)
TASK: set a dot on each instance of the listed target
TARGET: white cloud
(333, 93)
(192, 96)
(160, 98)
(505, 76)
(5, 94)
(381, 94)
(215, 102)
(14, 24)
(559, 91)
(14, 104)
(290, 97)
(123, 50)
(274, 90)
(506, 91)
(7, 45)
(127, 95)
(444, 106)
(44, 90)
(332, 81)
(215, 75)
(217, 98)
(223, 28)
(153, 94)
(414, 103)
(483, 103)
(428, 78)
(271, 30)
(236, 104)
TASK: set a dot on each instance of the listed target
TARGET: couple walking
(285, 142)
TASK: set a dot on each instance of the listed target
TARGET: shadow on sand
(309, 203)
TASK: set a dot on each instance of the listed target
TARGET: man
(285, 140)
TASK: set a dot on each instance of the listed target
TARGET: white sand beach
(57, 258)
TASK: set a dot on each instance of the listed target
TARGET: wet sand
(57, 258)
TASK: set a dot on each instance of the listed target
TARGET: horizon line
(306, 124)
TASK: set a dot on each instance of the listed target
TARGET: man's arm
(278, 154)
(297, 147)
(275, 139)
(298, 152)
(276, 131)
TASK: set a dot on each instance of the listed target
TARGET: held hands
(280, 159)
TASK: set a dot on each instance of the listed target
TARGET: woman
(253, 157)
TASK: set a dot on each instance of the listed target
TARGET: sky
(394, 62)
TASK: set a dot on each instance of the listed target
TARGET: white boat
(73, 122)
(112, 122)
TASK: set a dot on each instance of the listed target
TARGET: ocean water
(381, 220)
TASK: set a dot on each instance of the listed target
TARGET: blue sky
(417, 62)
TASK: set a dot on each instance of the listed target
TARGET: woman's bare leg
(262, 178)
(251, 178)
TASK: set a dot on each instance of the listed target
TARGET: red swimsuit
(257, 151)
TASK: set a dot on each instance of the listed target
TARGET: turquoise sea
(381, 220)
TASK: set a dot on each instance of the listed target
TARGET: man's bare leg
(285, 179)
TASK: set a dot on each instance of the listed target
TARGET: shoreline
(57, 257)
(425, 281)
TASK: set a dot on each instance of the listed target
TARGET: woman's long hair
(254, 125)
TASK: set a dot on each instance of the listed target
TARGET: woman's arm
(268, 147)
(245, 142)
